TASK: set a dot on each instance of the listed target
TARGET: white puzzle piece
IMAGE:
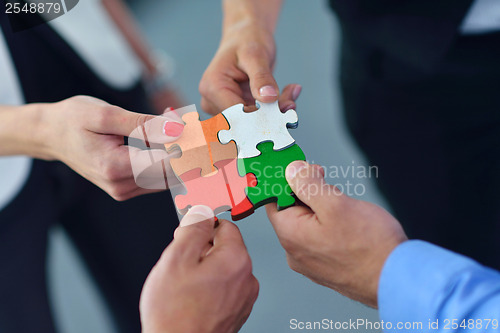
(248, 129)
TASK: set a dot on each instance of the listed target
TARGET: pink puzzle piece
(221, 191)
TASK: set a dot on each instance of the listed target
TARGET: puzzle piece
(220, 191)
(198, 157)
(199, 145)
(269, 168)
(248, 129)
(192, 135)
(218, 151)
(193, 147)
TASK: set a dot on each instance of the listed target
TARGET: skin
(87, 134)
(203, 282)
(243, 63)
(336, 241)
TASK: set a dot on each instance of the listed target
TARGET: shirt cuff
(419, 279)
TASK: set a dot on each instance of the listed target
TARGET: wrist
(243, 25)
(374, 283)
(263, 14)
(38, 132)
(21, 130)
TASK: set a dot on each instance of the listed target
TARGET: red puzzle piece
(222, 191)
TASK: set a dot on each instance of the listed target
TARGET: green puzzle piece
(269, 169)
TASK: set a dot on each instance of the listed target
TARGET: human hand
(336, 241)
(203, 281)
(88, 134)
(241, 71)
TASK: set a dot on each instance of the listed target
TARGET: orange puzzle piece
(218, 151)
(199, 145)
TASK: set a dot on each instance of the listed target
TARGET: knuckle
(205, 105)
(103, 117)
(241, 262)
(202, 227)
(263, 74)
(293, 250)
(289, 243)
(203, 87)
(256, 286)
(293, 265)
(76, 98)
(246, 264)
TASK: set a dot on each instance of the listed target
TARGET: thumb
(259, 70)
(158, 129)
(195, 233)
(308, 183)
(288, 97)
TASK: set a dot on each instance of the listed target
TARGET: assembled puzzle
(236, 160)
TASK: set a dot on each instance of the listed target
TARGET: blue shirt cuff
(421, 282)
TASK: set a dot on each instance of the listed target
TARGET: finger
(288, 96)
(195, 232)
(228, 234)
(259, 70)
(135, 192)
(220, 95)
(308, 183)
(158, 129)
(219, 86)
(289, 223)
(151, 168)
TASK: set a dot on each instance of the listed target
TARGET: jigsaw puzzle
(248, 129)
(222, 191)
(236, 160)
(269, 170)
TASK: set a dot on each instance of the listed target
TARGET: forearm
(262, 12)
(21, 131)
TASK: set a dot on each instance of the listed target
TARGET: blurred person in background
(76, 169)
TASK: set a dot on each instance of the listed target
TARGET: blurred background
(307, 40)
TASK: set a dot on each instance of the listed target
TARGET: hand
(334, 240)
(241, 71)
(88, 134)
(203, 281)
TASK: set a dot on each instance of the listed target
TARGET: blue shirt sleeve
(441, 290)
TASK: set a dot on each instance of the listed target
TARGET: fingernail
(296, 92)
(293, 169)
(173, 129)
(197, 214)
(268, 91)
